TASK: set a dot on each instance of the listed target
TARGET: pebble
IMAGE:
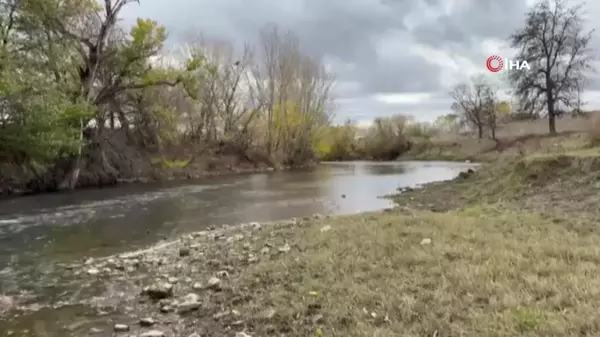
(426, 241)
(242, 334)
(214, 283)
(147, 321)
(325, 228)
(93, 271)
(197, 286)
(159, 291)
(121, 328)
(153, 333)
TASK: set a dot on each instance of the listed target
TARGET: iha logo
(495, 64)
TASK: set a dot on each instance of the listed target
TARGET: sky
(388, 56)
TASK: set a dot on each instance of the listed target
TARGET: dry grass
(486, 273)
(515, 139)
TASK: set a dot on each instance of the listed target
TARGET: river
(38, 232)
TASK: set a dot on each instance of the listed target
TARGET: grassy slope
(514, 252)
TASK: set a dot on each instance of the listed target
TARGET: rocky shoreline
(185, 287)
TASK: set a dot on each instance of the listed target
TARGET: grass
(486, 273)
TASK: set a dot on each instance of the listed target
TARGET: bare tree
(554, 44)
(294, 91)
(476, 104)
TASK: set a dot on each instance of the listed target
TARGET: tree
(476, 104)
(554, 43)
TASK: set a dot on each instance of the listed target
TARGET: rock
(255, 225)
(147, 321)
(190, 303)
(425, 241)
(238, 237)
(270, 313)
(197, 286)
(325, 228)
(93, 271)
(286, 248)
(121, 328)
(173, 280)
(242, 334)
(95, 331)
(194, 335)
(265, 250)
(165, 309)
(317, 216)
(184, 251)
(153, 333)
(343, 196)
(223, 274)
(214, 283)
(159, 291)
(6, 304)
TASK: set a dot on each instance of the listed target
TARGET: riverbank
(162, 171)
(490, 151)
(507, 250)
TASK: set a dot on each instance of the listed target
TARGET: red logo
(494, 59)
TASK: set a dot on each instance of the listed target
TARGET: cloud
(386, 54)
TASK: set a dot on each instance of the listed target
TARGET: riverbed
(38, 233)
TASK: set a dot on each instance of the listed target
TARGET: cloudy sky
(389, 56)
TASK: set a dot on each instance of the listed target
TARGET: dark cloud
(372, 40)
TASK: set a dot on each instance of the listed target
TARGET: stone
(121, 328)
(93, 271)
(286, 248)
(214, 283)
(265, 250)
(165, 309)
(269, 313)
(95, 331)
(153, 333)
(147, 321)
(222, 274)
(194, 335)
(6, 304)
(191, 302)
(173, 280)
(159, 291)
(425, 241)
(197, 286)
(242, 334)
(325, 228)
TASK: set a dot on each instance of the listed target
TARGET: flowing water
(38, 232)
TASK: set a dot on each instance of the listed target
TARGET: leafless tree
(555, 45)
(476, 104)
(294, 91)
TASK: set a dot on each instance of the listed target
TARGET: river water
(39, 231)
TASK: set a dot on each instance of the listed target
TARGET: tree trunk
(551, 121)
(551, 111)
(480, 131)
